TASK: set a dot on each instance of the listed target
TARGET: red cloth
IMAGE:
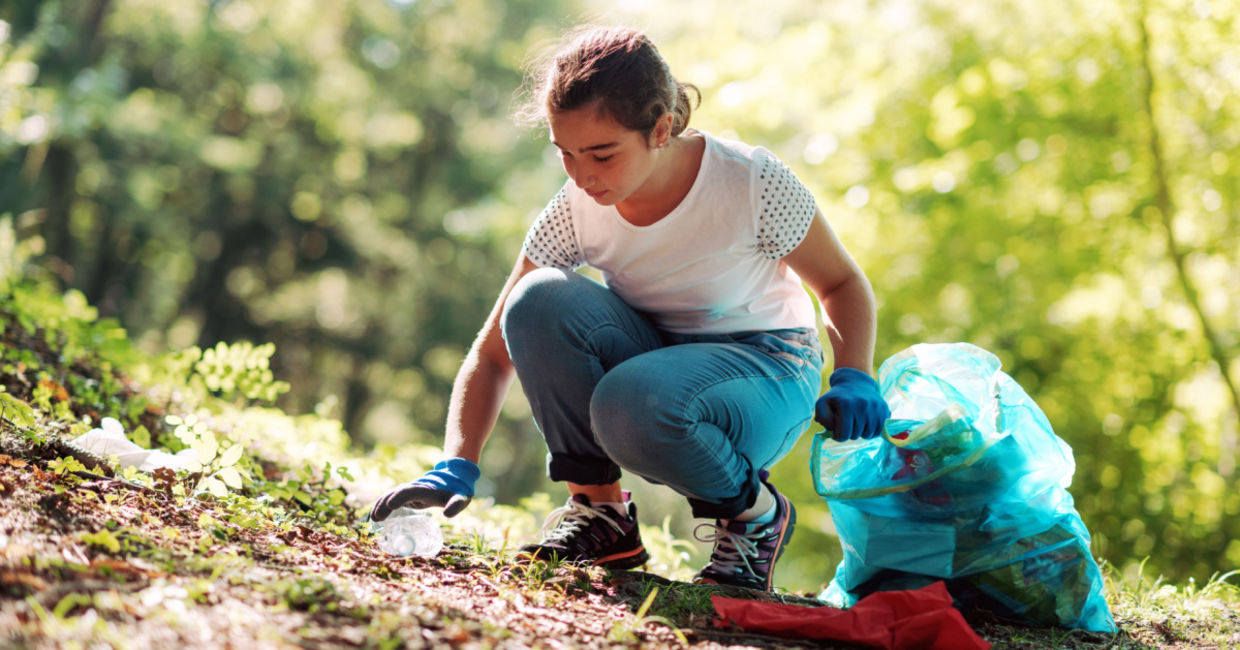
(919, 618)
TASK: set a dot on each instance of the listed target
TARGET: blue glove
(853, 408)
(450, 486)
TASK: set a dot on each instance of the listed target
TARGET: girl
(696, 364)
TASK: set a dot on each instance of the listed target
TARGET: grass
(624, 630)
(1168, 615)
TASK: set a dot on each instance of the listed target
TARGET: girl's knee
(626, 410)
(539, 294)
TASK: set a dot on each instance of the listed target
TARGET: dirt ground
(90, 561)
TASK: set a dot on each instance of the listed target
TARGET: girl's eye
(604, 158)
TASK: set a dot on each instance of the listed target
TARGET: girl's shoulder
(727, 147)
(730, 150)
(740, 161)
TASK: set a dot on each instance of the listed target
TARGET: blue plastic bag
(968, 485)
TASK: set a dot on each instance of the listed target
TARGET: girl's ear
(662, 131)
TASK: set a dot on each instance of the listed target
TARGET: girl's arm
(847, 300)
(482, 382)
(479, 390)
(854, 407)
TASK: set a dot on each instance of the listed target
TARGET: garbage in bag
(968, 485)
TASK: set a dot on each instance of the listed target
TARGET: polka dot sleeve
(551, 240)
(785, 208)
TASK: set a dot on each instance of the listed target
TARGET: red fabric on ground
(920, 618)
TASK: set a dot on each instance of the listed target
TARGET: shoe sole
(627, 560)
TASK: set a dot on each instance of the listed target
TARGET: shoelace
(569, 519)
(732, 550)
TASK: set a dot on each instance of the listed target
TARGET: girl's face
(606, 160)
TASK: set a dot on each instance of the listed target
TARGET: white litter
(109, 440)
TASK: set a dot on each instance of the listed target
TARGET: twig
(118, 481)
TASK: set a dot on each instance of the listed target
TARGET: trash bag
(968, 485)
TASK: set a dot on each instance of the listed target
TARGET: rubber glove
(449, 485)
(853, 408)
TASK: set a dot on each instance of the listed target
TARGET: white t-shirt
(714, 264)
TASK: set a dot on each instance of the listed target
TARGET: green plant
(15, 411)
(669, 555)
(13, 253)
(682, 602)
(311, 594)
(65, 466)
(240, 370)
(625, 630)
(219, 469)
(102, 538)
(316, 494)
(1144, 595)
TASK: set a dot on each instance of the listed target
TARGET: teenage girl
(696, 364)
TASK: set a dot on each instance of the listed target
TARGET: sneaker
(598, 535)
(745, 554)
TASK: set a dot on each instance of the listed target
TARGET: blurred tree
(341, 179)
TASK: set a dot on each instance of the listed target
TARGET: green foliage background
(1053, 181)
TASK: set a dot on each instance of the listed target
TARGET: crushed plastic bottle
(408, 532)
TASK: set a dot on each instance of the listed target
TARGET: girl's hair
(617, 65)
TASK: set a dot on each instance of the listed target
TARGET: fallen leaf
(118, 566)
(74, 555)
(16, 551)
(22, 579)
(456, 634)
(56, 390)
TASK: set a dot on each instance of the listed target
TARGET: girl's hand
(853, 408)
(450, 485)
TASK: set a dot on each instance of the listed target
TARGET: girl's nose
(586, 175)
(574, 171)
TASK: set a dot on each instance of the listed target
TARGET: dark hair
(618, 65)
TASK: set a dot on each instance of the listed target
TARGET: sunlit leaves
(231, 456)
(220, 471)
(237, 370)
(16, 411)
(103, 538)
(65, 465)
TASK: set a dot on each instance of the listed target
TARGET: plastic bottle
(408, 532)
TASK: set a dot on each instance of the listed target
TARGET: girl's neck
(673, 176)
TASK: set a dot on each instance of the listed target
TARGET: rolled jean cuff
(727, 508)
(582, 471)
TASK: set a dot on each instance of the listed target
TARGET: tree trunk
(1165, 203)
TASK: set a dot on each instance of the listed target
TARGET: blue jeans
(700, 413)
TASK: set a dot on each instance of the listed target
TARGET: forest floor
(98, 562)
